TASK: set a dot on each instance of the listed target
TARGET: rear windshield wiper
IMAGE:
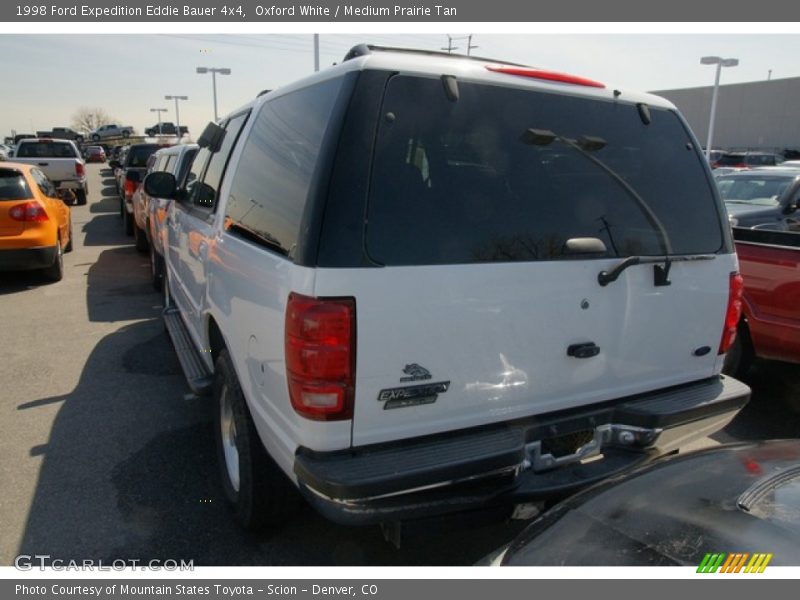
(583, 145)
(661, 272)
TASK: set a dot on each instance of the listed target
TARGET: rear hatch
(57, 159)
(491, 214)
(14, 190)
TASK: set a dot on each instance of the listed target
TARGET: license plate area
(569, 448)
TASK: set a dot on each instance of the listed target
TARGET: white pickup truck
(419, 283)
(111, 131)
(60, 160)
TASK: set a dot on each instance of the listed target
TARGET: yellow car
(35, 224)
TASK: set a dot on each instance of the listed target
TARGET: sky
(46, 78)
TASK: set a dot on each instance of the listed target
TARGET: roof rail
(262, 92)
(367, 49)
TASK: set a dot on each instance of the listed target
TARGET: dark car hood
(751, 210)
(674, 512)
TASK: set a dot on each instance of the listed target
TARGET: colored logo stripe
(733, 563)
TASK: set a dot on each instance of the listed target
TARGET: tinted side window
(196, 172)
(271, 183)
(207, 193)
(44, 184)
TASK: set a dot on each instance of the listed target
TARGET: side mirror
(790, 208)
(160, 184)
(211, 137)
(133, 176)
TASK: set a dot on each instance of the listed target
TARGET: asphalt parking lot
(104, 455)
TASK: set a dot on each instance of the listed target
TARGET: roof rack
(367, 49)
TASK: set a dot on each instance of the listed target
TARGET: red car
(95, 154)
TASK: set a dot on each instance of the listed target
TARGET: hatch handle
(584, 350)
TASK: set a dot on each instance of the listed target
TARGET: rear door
(484, 303)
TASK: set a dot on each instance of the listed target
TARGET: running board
(197, 376)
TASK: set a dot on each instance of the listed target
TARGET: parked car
(766, 199)
(62, 133)
(95, 154)
(131, 169)
(748, 159)
(742, 498)
(412, 293)
(111, 131)
(770, 323)
(165, 128)
(5, 152)
(149, 213)
(60, 160)
(35, 224)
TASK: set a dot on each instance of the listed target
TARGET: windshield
(753, 189)
(466, 181)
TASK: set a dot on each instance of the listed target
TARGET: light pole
(720, 62)
(159, 111)
(214, 71)
(177, 113)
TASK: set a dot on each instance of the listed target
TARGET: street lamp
(159, 111)
(214, 71)
(177, 113)
(720, 62)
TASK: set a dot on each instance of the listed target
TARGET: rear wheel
(80, 197)
(156, 269)
(127, 221)
(259, 492)
(140, 238)
(68, 247)
(126, 134)
(95, 137)
(55, 272)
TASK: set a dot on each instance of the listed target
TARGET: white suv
(417, 283)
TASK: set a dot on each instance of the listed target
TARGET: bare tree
(87, 119)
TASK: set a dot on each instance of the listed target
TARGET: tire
(79, 139)
(258, 491)
(139, 237)
(740, 355)
(68, 247)
(80, 197)
(127, 221)
(156, 269)
(126, 134)
(95, 137)
(55, 272)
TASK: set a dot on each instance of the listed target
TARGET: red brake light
(79, 169)
(320, 356)
(733, 313)
(130, 188)
(29, 212)
(546, 75)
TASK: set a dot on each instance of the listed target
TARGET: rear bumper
(522, 461)
(27, 258)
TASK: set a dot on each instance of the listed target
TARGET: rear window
(138, 155)
(46, 149)
(466, 181)
(731, 160)
(13, 186)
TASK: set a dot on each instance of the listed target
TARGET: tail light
(545, 75)
(734, 312)
(320, 356)
(130, 189)
(30, 212)
(79, 169)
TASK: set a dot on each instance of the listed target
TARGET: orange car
(35, 224)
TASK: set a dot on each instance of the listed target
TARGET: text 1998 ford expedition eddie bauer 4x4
(419, 283)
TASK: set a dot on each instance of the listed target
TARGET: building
(763, 115)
